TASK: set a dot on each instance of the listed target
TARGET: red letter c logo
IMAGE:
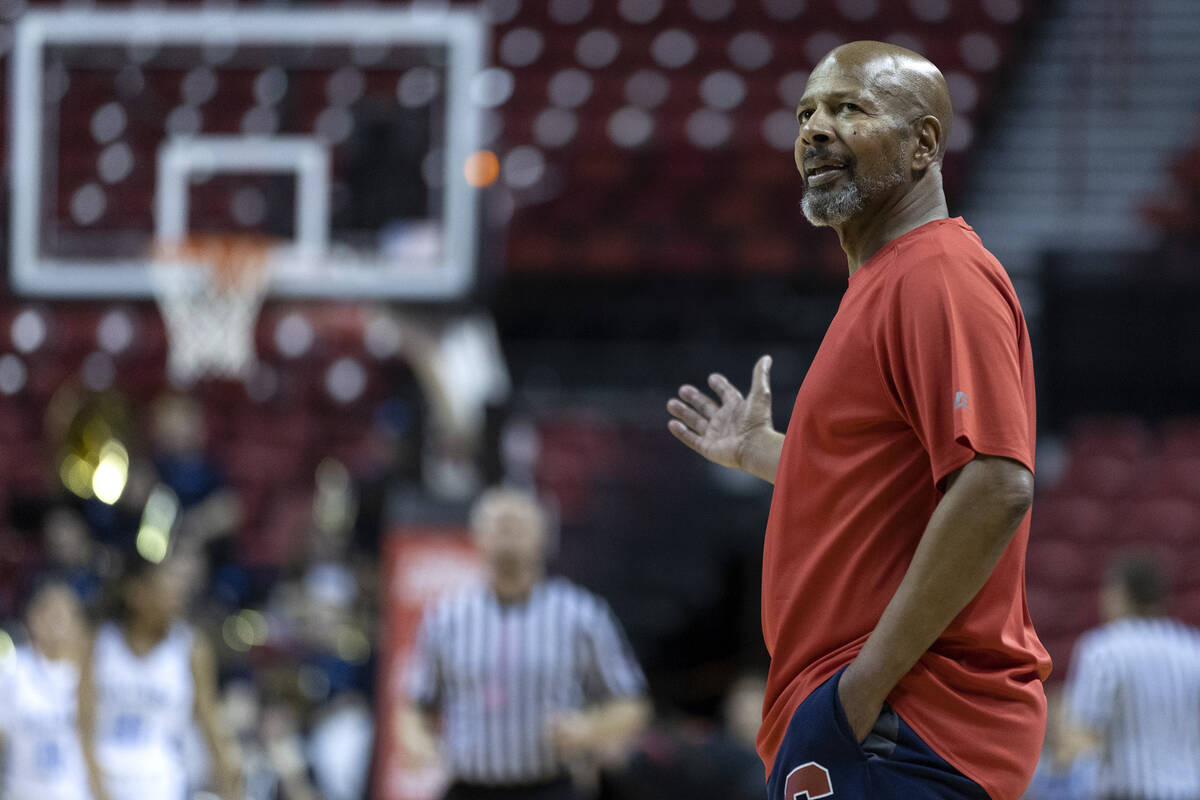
(808, 781)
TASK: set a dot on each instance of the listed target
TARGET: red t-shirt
(926, 363)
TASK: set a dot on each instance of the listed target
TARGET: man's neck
(514, 588)
(865, 235)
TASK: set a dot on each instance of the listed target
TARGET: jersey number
(127, 728)
(809, 781)
(47, 756)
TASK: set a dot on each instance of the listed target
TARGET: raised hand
(736, 432)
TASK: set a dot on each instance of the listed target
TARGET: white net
(210, 290)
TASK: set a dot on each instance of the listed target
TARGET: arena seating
(1126, 487)
(268, 435)
(633, 136)
(1178, 211)
(669, 127)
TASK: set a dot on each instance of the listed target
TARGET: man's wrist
(753, 446)
(869, 679)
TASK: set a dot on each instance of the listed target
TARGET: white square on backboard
(181, 157)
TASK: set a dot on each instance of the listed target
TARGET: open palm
(720, 431)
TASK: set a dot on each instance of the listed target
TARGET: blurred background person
(210, 510)
(524, 677)
(69, 552)
(1133, 695)
(697, 758)
(39, 682)
(146, 677)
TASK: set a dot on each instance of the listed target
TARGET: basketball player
(147, 677)
(40, 686)
(904, 663)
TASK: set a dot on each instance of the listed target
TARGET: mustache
(823, 153)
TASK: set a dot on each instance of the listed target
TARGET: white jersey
(42, 759)
(144, 708)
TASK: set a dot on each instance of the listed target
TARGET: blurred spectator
(39, 683)
(210, 509)
(339, 747)
(321, 619)
(270, 743)
(390, 474)
(1133, 695)
(696, 759)
(71, 554)
(525, 677)
(116, 525)
(147, 678)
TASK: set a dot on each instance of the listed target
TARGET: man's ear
(928, 143)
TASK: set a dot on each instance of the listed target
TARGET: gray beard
(836, 206)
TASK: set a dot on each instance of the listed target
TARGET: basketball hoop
(209, 288)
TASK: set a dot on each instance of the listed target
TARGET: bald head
(908, 82)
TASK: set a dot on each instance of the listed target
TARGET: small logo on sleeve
(960, 401)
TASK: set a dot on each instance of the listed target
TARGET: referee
(1133, 695)
(522, 676)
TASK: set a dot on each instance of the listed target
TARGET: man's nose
(817, 128)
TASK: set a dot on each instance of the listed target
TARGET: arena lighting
(236, 632)
(352, 645)
(88, 470)
(482, 168)
(111, 472)
(158, 517)
(76, 475)
(245, 629)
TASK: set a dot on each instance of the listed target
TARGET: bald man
(904, 663)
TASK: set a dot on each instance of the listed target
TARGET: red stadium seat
(1103, 475)
(1167, 522)
(1181, 437)
(1128, 438)
(1077, 517)
(1061, 564)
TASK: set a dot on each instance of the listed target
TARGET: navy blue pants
(821, 758)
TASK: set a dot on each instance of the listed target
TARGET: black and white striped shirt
(1136, 682)
(495, 671)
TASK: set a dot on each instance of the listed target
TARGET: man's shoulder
(951, 271)
(949, 255)
(584, 600)
(562, 586)
(448, 604)
(1135, 632)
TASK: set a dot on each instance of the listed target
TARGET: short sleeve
(425, 680)
(1091, 686)
(956, 355)
(610, 669)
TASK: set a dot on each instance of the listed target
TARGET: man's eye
(849, 107)
(804, 115)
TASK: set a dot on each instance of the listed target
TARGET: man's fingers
(698, 400)
(687, 415)
(760, 382)
(685, 434)
(724, 388)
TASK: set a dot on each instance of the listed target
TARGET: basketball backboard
(342, 132)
